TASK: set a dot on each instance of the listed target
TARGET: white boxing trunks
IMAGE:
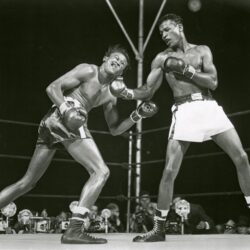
(197, 121)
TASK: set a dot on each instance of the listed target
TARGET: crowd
(183, 218)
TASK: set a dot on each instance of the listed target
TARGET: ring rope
(185, 157)
(124, 165)
(36, 125)
(245, 112)
(122, 197)
(22, 157)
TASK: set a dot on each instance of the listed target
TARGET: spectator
(242, 225)
(59, 225)
(96, 222)
(114, 221)
(143, 217)
(230, 227)
(197, 221)
(25, 223)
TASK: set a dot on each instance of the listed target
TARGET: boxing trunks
(51, 130)
(196, 118)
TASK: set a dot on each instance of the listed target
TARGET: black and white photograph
(124, 124)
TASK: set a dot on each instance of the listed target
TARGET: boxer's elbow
(52, 89)
(214, 84)
(114, 131)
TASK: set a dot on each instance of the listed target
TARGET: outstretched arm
(144, 92)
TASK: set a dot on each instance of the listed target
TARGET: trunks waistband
(191, 98)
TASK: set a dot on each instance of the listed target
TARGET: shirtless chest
(92, 93)
(179, 84)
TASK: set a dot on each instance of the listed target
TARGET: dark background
(43, 39)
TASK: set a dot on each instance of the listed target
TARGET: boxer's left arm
(112, 118)
(208, 77)
(117, 127)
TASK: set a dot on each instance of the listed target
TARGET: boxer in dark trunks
(74, 95)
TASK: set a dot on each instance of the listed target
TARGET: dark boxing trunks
(51, 130)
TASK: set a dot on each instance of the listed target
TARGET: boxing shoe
(75, 235)
(156, 234)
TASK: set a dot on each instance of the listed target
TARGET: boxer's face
(170, 33)
(115, 63)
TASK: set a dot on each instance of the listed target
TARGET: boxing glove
(144, 110)
(173, 64)
(73, 118)
(120, 90)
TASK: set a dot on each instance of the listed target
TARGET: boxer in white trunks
(191, 75)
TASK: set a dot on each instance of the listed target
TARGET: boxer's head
(116, 60)
(171, 29)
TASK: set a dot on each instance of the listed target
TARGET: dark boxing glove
(145, 110)
(73, 118)
(120, 90)
(173, 64)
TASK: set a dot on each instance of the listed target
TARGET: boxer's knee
(102, 173)
(241, 161)
(105, 173)
(26, 185)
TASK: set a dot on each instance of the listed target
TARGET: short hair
(145, 193)
(120, 49)
(173, 17)
(112, 206)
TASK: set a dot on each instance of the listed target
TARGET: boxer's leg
(230, 142)
(175, 152)
(87, 154)
(39, 163)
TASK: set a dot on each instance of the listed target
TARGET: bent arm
(208, 77)
(68, 81)
(112, 118)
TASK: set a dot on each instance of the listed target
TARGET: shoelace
(153, 231)
(90, 236)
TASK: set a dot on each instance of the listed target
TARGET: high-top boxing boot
(158, 231)
(75, 232)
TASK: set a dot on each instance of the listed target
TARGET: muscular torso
(179, 84)
(91, 93)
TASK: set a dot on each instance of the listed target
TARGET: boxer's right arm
(70, 80)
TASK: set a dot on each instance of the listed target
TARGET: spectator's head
(174, 201)
(219, 228)
(62, 216)
(230, 227)
(242, 225)
(24, 217)
(44, 213)
(93, 212)
(145, 199)
(114, 209)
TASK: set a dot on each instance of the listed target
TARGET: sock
(80, 210)
(79, 213)
(248, 200)
(161, 214)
